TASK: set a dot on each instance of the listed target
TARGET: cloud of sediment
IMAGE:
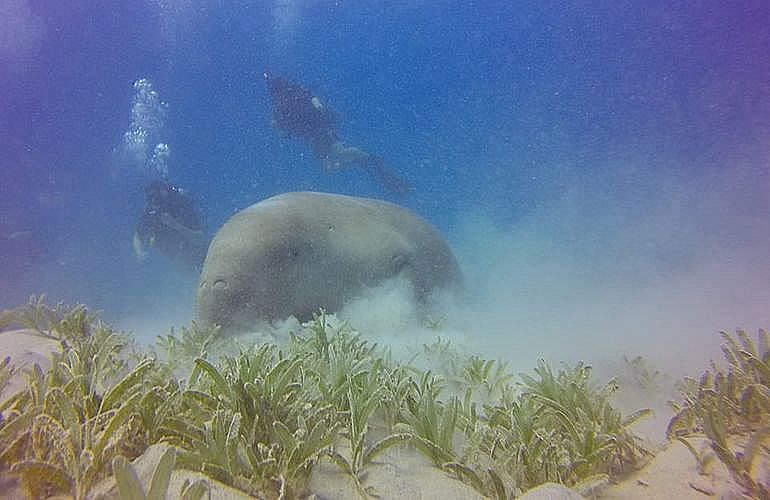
(630, 262)
(634, 262)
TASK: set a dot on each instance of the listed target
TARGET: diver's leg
(341, 156)
(139, 251)
(328, 165)
(388, 178)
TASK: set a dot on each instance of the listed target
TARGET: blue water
(568, 150)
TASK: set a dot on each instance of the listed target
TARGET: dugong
(297, 252)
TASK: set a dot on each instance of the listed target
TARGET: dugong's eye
(220, 285)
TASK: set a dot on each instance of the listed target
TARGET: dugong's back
(297, 252)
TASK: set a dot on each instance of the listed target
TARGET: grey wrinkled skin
(297, 252)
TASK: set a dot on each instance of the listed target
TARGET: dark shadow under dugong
(297, 252)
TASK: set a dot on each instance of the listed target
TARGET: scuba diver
(299, 113)
(172, 223)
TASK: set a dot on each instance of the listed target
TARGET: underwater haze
(600, 169)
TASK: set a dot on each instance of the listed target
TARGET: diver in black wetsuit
(172, 223)
(301, 114)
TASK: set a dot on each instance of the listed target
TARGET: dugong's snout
(218, 297)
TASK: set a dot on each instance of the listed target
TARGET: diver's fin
(392, 182)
